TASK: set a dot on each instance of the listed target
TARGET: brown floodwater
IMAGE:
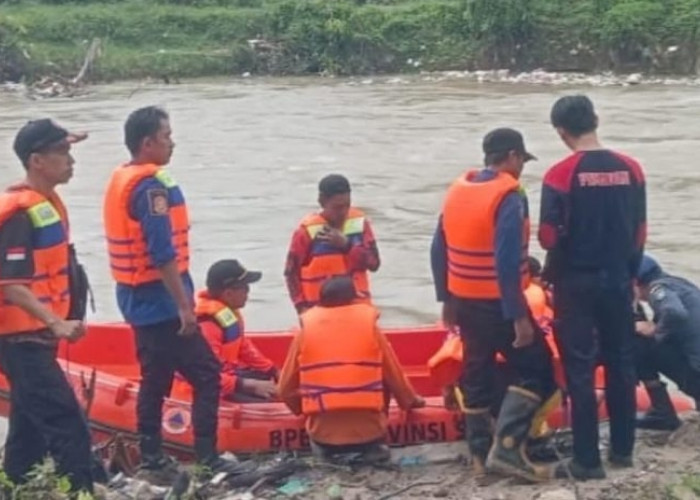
(250, 152)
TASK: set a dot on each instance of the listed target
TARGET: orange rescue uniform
(129, 260)
(327, 261)
(49, 283)
(223, 328)
(471, 260)
(336, 373)
(446, 364)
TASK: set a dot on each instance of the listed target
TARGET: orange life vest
(129, 260)
(230, 322)
(446, 364)
(50, 283)
(327, 261)
(469, 222)
(340, 360)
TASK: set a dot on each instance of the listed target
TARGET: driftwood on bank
(94, 51)
(56, 86)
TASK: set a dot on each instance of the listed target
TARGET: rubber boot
(156, 467)
(662, 415)
(540, 444)
(479, 432)
(539, 428)
(508, 453)
(211, 462)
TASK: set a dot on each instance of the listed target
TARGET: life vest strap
(331, 364)
(316, 392)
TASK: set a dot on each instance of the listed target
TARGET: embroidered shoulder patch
(157, 201)
(658, 293)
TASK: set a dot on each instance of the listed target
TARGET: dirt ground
(667, 467)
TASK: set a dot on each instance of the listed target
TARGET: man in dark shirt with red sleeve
(593, 225)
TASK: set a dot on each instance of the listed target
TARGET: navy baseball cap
(502, 140)
(229, 273)
(649, 270)
(38, 135)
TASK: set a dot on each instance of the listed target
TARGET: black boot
(210, 460)
(479, 433)
(571, 469)
(661, 416)
(508, 454)
(156, 466)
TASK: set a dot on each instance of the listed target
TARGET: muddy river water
(249, 155)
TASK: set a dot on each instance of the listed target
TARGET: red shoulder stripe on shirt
(559, 176)
(633, 165)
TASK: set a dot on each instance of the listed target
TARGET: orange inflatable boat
(104, 372)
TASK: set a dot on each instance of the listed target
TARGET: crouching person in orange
(246, 374)
(339, 372)
(446, 365)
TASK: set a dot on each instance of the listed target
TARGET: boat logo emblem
(176, 420)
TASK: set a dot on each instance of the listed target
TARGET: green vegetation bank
(186, 38)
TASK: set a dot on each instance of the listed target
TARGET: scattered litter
(293, 487)
(335, 492)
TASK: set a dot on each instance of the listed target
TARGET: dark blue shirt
(152, 303)
(508, 245)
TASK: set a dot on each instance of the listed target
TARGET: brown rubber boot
(508, 455)
(479, 433)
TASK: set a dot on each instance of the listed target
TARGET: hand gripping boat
(104, 373)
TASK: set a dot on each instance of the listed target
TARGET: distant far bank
(171, 39)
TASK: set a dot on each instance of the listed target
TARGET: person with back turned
(480, 268)
(336, 241)
(147, 227)
(339, 372)
(37, 298)
(593, 226)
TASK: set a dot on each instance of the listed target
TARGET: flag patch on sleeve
(16, 254)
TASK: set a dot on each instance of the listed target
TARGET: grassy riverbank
(178, 38)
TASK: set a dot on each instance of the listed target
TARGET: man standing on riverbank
(336, 241)
(593, 225)
(147, 226)
(35, 302)
(480, 268)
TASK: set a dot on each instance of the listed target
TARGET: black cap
(37, 135)
(229, 273)
(502, 140)
(649, 270)
(333, 184)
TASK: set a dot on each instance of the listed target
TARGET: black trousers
(666, 358)
(484, 334)
(45, 417)
(583, 305)
(162, 352)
